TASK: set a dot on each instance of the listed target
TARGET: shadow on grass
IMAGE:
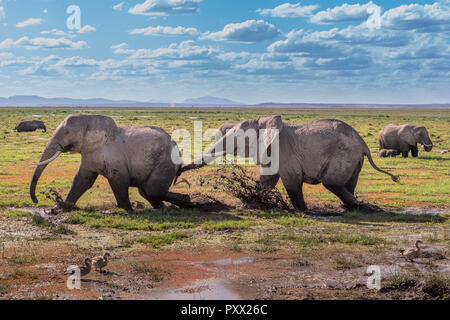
(355, 217)
(148, 219)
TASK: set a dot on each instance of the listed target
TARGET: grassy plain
(343, 245)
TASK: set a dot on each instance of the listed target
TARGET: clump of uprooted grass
(248, 190)
(436, 285)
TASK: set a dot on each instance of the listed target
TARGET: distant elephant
(325, 151)
(30, 126)
(404, 138)
(384, 153)
(128, 157)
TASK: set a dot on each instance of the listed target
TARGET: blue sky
(248, 51)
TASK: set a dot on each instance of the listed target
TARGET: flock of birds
(98, 263)
(101, 262)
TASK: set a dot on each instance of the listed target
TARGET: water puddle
(230, 261)
(215, 289)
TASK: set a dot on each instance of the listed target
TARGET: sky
(250, 51)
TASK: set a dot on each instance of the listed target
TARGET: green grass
(295, 221)
(17, 213)
(157, 240)
(310, 239)
(392, 217)
(227, 225)
(39, 221)
(138, 221)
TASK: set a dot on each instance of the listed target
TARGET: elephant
(30, 126)
(404, 138)
(384, 153)
(126, 156)
(326, 151)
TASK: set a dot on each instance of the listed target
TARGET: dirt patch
(250, 192)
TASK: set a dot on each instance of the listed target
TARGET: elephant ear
(273, 127)
(407, 135)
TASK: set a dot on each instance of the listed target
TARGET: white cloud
(165, 7)
(247, 31)
(29, 22)
(87, 28)
(343, 13)
(42, 43)
(426, 18)
(2, 12)
(56, 32)
(119, 6)
(288, 10)
(165, 31)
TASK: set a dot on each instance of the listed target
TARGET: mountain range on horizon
(38, 101)
(206, 101)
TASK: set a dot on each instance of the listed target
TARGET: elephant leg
(156, 204)
(119, 186)
(83, 181)
(342, 193)
(351, 184)
(295, 192)
(405, 154)
(268, 181)
(178, 199)
(415, 151)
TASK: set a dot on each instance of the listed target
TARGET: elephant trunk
(53, 149)
(217, 150)
(427, 145)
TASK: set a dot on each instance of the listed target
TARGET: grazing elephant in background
(404, 138)
(128, 157)
(384, 153)
(325, 151)
(30, 126)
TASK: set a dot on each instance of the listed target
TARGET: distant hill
(208, 100)
(37, 101)
(348, 105)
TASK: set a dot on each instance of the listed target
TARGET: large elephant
(404, 138)
(128, 157)
(325, 151)
(30, 126)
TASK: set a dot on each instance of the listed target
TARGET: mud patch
(213, 289)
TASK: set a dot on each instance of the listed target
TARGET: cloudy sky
(249, 51)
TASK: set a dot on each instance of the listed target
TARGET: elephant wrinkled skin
(30, 126)
(128, 157)
(404, 138)
(326, 151)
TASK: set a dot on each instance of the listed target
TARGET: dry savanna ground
(224, 250)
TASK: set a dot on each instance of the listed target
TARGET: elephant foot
(365, 207)
(62, 207)
(180, 200)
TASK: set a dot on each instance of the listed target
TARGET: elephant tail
(369, 156)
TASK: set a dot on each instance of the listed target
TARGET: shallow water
(215, 289)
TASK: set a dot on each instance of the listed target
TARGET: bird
(411, 254)
(84, 270)
(100, 262)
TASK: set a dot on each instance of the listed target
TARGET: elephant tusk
(427, 145)
(56, 155)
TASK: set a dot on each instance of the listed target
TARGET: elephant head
(76, 134)
(417, 134)
(250, 138)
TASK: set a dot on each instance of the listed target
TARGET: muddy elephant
(404, 138)
(385, 153)
(326, 151)
(142, 157)
(30, 126)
